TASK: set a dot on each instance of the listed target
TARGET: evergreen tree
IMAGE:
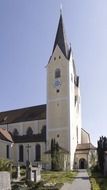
(52, 153)
(102, 147)
(55, 155)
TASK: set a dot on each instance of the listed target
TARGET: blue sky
(27, 33)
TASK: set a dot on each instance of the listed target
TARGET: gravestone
(33, 173)
(18, 172)
(5, 183)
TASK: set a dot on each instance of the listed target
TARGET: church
(26, 133)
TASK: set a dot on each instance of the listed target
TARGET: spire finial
(61, 8)
(60, 39)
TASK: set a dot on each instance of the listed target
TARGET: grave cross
(28, 147)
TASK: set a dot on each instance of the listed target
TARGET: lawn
(50, 180)
(58, 177)
(98, 182)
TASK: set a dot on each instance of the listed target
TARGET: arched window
(8, 151)
(21, 153)
(29, 131)
(38, 152)
(57, 73)
(15, 132)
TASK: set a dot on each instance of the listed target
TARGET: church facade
(32, 129)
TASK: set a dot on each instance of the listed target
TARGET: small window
(21, 153)
(59, 57)
(57, 135)
(76, 98)
(29, 131)
(54, 58)
(57, 73)
(15, 132)
(38, 153)
(57, 90)
(7, 151)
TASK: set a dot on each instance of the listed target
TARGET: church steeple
(61, 40)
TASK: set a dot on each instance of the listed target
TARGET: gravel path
(81, 182)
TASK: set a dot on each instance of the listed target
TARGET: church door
(82, 163)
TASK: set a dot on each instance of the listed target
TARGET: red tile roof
(5, 135)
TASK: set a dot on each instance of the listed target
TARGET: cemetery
(31, 177)
(45, 146)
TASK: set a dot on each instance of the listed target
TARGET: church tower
(63, 96)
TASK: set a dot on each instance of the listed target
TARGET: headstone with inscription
(5, 183)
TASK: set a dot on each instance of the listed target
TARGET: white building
(33, 128)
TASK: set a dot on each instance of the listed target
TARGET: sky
(27, 34)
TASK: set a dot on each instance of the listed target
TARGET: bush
(22, 172)
(95, 169)
(5, 165)
(14, 174)
(23, 167)
(32, 185)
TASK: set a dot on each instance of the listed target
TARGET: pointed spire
(60, 39)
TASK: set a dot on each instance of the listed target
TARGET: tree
(102, 147)
(55, 155)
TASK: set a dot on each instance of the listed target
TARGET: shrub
(5, 165)
(94, 169)
(22, 172)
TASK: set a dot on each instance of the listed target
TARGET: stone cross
(28, 147)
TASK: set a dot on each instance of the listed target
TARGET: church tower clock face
(57, 80)
(57, 83)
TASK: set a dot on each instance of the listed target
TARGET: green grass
(49, 180)
(58, 177)
(98, 182)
